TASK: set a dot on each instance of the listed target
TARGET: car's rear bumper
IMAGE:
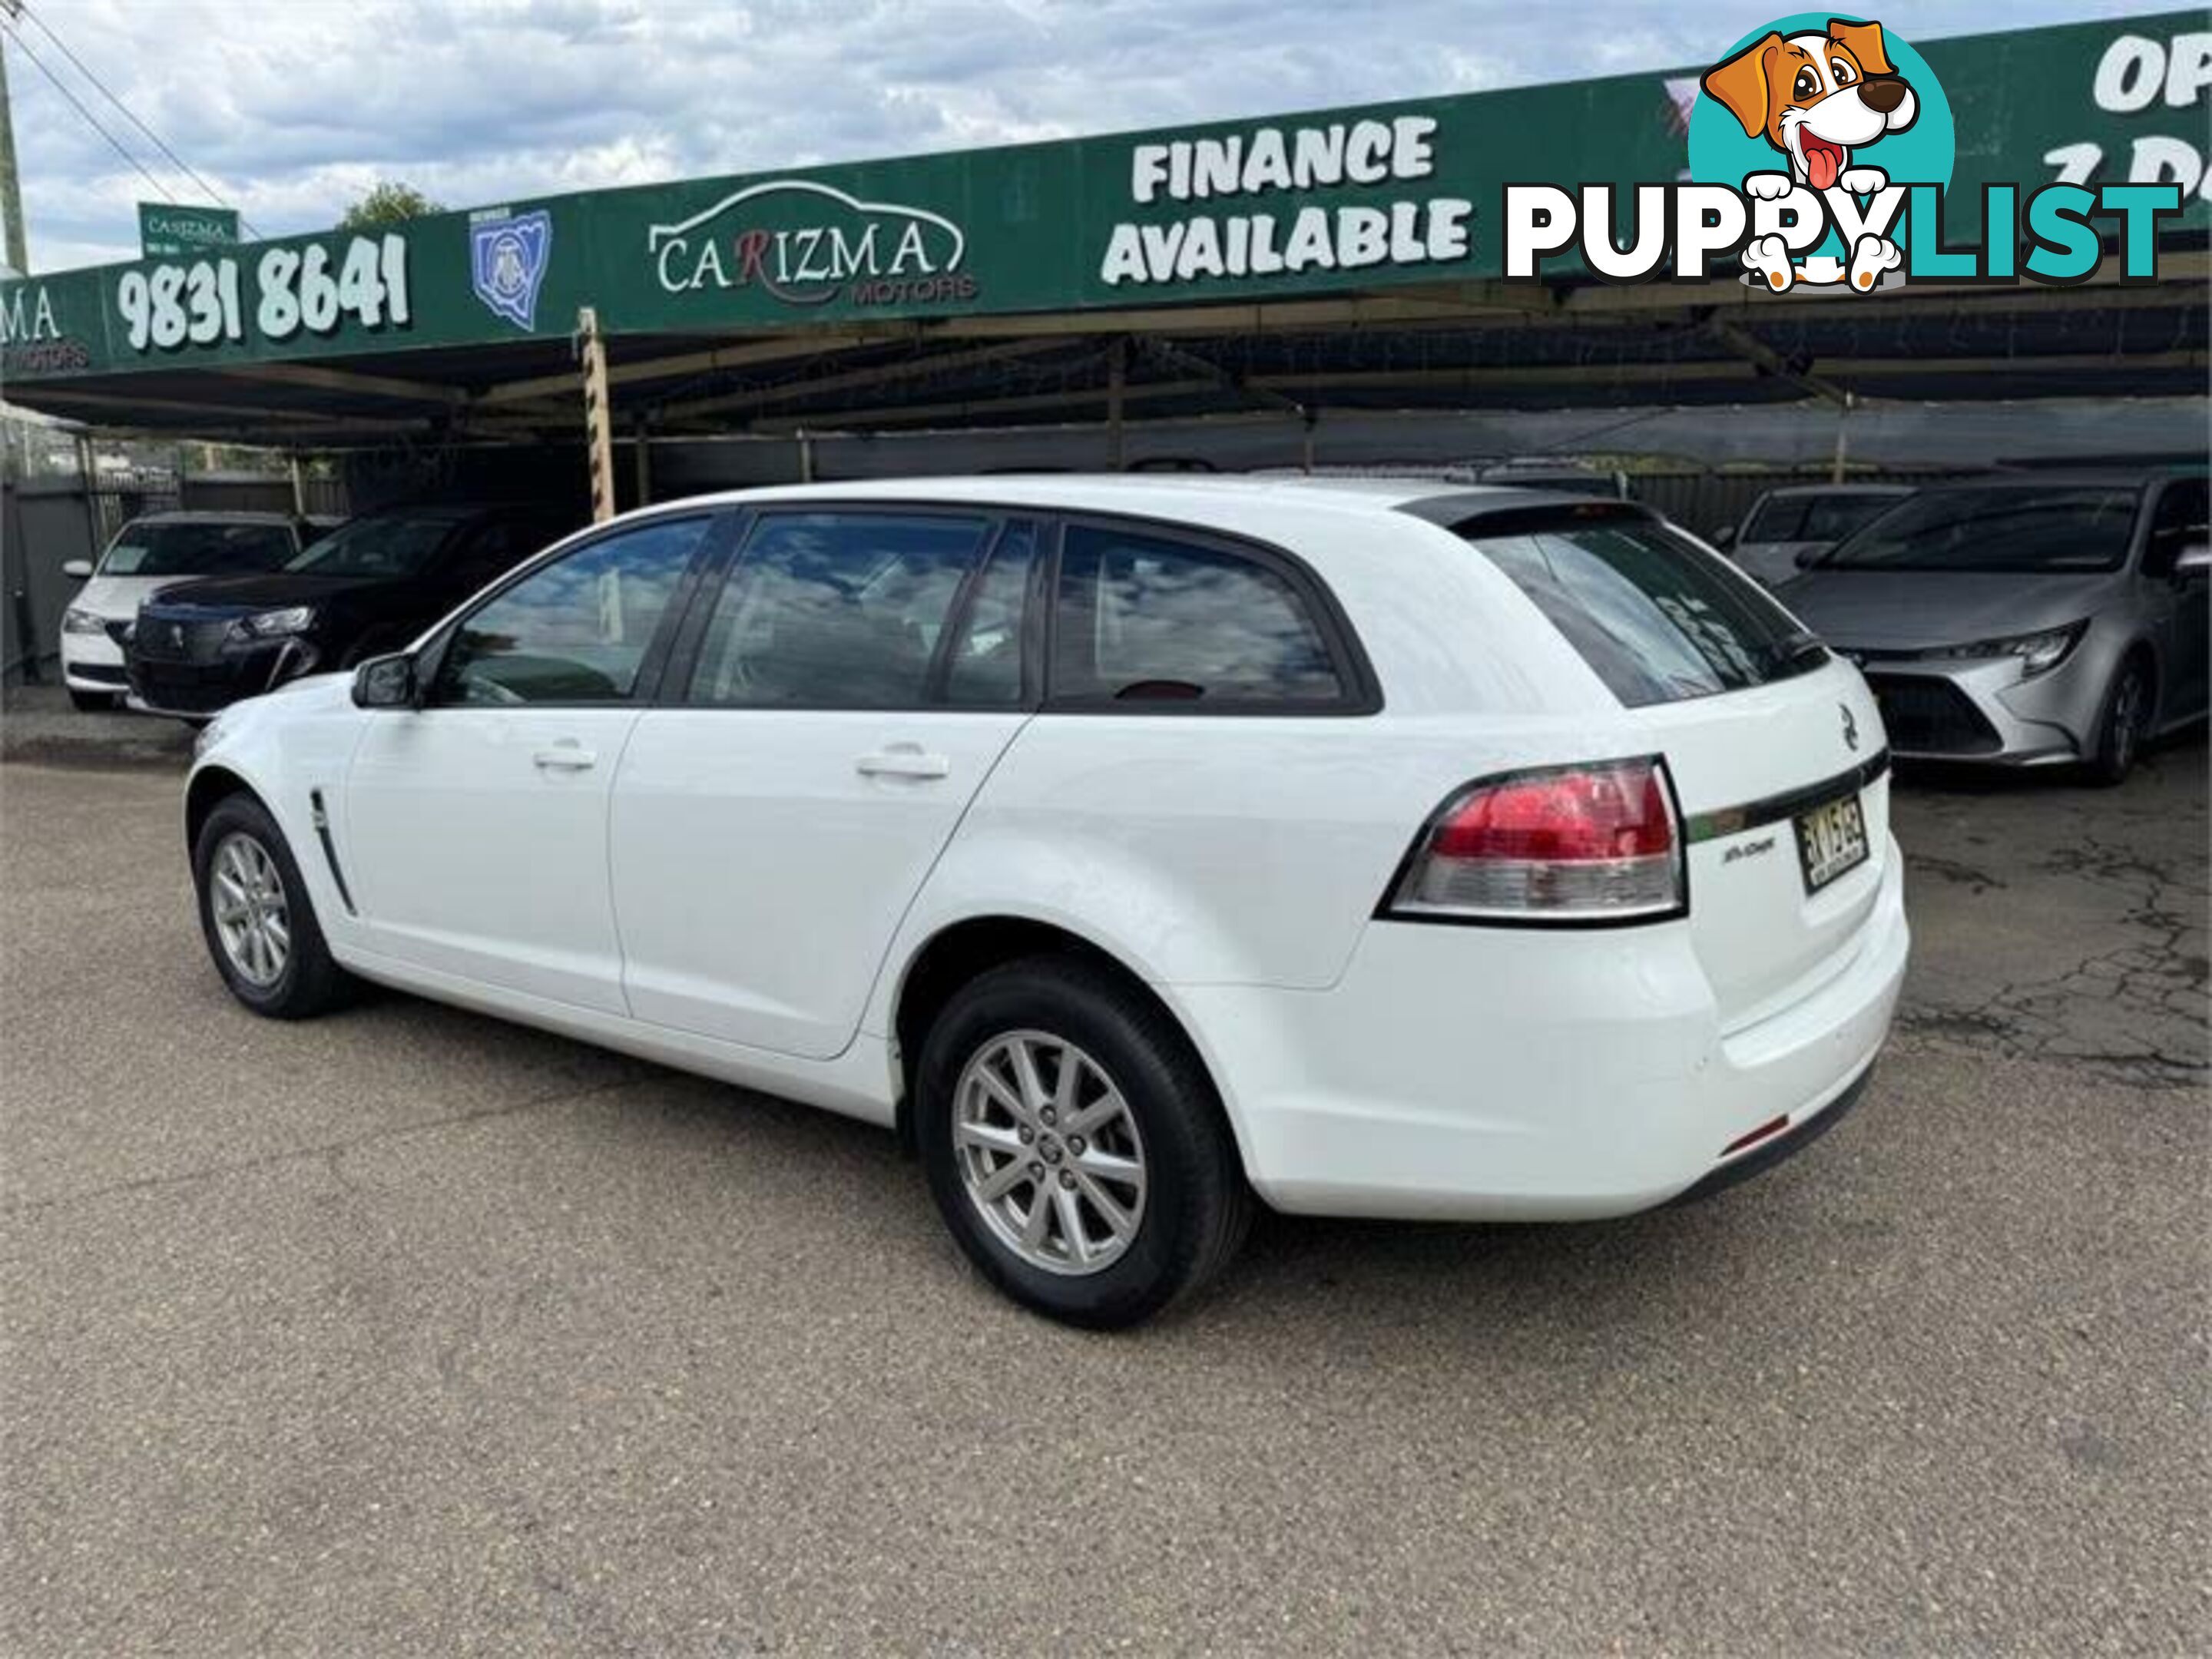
(1778, 1148)
(1524, 1075)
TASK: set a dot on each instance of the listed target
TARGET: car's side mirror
(78, 570)
(385, 682)
(1724, 535)
(2194, 559)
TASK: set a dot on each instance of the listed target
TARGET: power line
(77, 104)
(129, 114)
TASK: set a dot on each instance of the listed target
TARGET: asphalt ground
(38, 726)
(408, 1332)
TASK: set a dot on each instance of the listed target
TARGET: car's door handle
(902, 761)
(565, 758)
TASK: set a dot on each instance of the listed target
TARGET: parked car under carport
(368, 586)
(2029, 619)
(152, 552)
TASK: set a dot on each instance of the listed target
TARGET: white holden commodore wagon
(1140, 848)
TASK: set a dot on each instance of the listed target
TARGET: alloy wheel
(2127, 717)
(1049, 1153)
(251, 918)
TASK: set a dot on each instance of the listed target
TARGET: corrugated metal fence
(44, 524)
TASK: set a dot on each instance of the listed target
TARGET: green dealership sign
(1357, 199)
(166, 231)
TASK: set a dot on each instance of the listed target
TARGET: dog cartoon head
(1816, 97)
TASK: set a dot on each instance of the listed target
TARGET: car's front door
(476, 824)
(2179, 520)
(858, 674)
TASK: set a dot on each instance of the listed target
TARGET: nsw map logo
(507, 256)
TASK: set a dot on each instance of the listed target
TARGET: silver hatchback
(2026, 619)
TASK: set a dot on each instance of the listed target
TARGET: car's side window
(2177, 521)
(983, 660)
(1145, 618)
(837, 610)
(576, 631)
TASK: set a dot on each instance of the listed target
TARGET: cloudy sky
(291, 108)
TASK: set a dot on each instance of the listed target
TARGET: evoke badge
(1749, 849)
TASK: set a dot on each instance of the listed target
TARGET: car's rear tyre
(2121, 724)
(93, 702)
(1075, 1145)
(257, 920)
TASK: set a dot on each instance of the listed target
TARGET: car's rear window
(1657, 617)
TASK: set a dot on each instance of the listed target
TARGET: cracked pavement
(407, 1332)
(2061, 924)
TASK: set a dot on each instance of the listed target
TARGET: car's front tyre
(2123, 721)
(1075, 1145)
(257, 920)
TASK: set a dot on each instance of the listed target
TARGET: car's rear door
(474, 828)
(846, 692)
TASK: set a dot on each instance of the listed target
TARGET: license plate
(1830, 840)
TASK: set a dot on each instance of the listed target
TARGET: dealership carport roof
(1039, 283)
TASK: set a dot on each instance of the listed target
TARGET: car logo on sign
(1851, 726)
(802, 243)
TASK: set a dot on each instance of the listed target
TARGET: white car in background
(1139, 847)
(1785, 528)
(147, 555)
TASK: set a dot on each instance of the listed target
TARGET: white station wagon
(1139, 848)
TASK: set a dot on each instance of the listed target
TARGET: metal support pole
(1843, 436)
(299, 486)
(643, 439)
(11, 194)
(26, 630)
(1309, 420)
(1117, 383)
(598, 423)
(805, 455)
(88, 475)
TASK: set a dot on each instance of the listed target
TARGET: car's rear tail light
(1593, 844)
